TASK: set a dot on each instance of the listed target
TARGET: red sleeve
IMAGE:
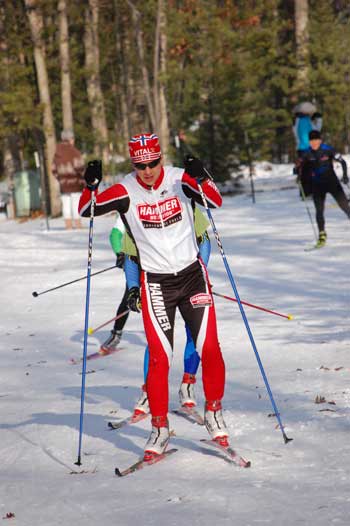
(114, 198)
(210, 190)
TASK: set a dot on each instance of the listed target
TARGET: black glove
(133, 300)
(93, 174)
(345, 179)
(195, 168)
(120, 260)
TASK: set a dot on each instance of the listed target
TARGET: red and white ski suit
(160, 219)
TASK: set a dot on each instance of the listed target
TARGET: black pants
(119, 324)
(189, 291)
(319, 192)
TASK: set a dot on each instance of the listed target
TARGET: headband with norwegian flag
(144, 147)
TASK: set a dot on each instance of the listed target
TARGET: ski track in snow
(306, 361)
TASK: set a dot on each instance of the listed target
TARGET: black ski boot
(112, 342)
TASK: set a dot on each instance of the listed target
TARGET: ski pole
(95, 168)
(288, 316)
(233, 284)
(36, 294)
(307, 209)
(92, 331)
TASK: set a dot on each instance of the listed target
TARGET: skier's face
(149, 172)
(315, 143)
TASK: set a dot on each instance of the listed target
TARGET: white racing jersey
(160, 219)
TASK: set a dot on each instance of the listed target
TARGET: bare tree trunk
(145, 76)
(123, 84)
(66, 92)
(155, 96)
(94, 91)
(302, 45)
(159, 80)
(9, 170)
(9, 160)
(36, 27)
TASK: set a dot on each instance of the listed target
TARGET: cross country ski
(143, 463)
(129, 420)
(95, 355)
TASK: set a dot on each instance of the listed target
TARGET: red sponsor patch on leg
(201, 300)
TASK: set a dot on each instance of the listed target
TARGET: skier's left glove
(120, 260)
(345, 179)
(93, 174)
(195, 168)
(133, 300)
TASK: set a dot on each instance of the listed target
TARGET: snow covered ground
(306, 360)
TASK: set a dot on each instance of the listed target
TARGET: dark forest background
(222, 75)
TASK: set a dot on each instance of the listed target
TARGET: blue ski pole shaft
(86, 328)
(232, 281)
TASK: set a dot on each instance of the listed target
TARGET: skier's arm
(299, 164)
(295, 128)
(115, 239)
(204, 248)
(195, 174)
(339, 159)
(116, 236)
(201, 224)
(132, 272)
(210, 190)
(317, 121)
(114, 198)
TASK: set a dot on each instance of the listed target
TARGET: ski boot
(158, 439)
(111, 343)
(214, 422)
(322, 238)
(142, 405)
(186, 392)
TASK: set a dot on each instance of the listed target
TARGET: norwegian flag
(143, 139)
(144, 147)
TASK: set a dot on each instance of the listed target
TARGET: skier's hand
(345, 179)
(93, 174)
(120, 260)
(133, 300)
(195, 168)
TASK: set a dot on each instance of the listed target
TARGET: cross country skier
(155, 205)
(305, 119)
(191, 357)
(318, 161)
(124, 247)
(115, 238)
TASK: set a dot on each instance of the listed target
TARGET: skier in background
(116, 241)
(68, 168)
(318, 161)
(305, 119)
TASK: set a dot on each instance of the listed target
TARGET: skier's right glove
(345, 179)
(93, 174)
(133, 300)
